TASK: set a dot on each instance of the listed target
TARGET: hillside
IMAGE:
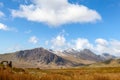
(85, 54)
(107, 63)
(44, 58)
(38, 57)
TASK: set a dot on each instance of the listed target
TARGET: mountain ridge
(44, 58)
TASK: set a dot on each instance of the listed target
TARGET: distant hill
(38, 57)
(107, 56)
(44, 58)
(85, 54)
(108, 63)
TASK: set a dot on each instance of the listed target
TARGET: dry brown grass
(8, 74)
(85, 73)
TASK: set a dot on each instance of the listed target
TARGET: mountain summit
(43, 58)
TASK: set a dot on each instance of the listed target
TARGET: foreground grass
(84, 73)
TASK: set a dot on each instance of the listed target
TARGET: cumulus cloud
(107, 46)
(33, 40)
(58, 42)
(82, 43)
(56, 12)
(101, 41)
(114, 46)
(99, 46)
(3, 27)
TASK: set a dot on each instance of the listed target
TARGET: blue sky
(60, 24)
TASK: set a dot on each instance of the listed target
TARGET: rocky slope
(107, 56)
(85, 54)
(38, 57)
(43, 58)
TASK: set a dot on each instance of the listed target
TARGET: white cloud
(99, 46)
(58, 41)
(56, 12)
(82, 43)
(6, 28)
(3, 27)
(33, 40)
(115, 46)
(101, 41)
(110, 46)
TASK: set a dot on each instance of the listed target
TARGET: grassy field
(83, 73)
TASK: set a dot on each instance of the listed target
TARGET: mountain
(38, 57)
(107, 63)
(85, 54)
(71, 57)
(48, 58)
(107, 56)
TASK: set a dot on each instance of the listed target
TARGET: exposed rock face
(85, 54)
(40, 55)
(89, 55)
(43, 58)
(107, 56)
